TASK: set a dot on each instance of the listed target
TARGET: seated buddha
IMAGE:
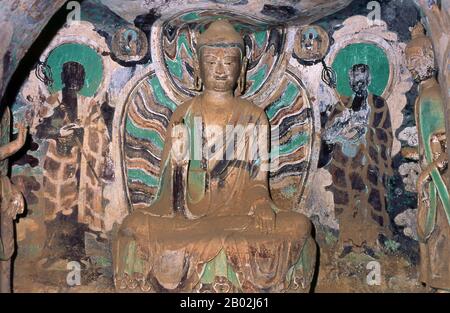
(213, 196)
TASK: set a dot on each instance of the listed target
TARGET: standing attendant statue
(433, 217)
(11, 204)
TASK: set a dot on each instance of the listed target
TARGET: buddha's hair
(223, 45)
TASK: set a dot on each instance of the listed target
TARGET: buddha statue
(433, 215)
(213, 198)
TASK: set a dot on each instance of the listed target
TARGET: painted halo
(177, 38)
(311, 44)
(362, 53)
(82, 54)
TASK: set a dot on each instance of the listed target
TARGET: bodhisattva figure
(11, 204)
(433, 216)
(218, 202)
(359, 134)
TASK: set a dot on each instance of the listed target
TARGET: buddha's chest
(218, 120)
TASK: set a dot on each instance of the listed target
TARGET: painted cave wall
(78, 190)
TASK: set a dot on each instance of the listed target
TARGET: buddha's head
(360, 78)
(420, 55)
(221, 58)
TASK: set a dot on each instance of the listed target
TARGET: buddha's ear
(243, 76)
(198, 84)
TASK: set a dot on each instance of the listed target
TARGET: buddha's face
(220, 67)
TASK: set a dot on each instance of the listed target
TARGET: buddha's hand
(264, 217)
(68, 129)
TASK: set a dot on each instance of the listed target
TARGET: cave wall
(21, 22)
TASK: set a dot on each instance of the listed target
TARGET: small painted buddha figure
(433, 216)
(213, 198)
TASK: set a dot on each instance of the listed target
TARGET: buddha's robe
(204, 206)
(434, 218)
